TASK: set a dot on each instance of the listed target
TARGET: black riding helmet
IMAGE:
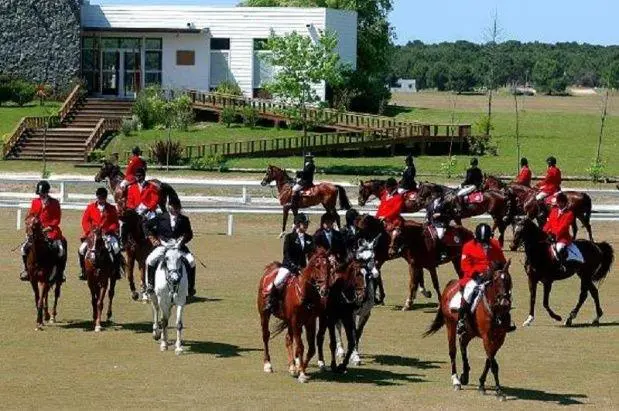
(391, 183)
(136, 151)
(327, 218)
(351, 216)
(101, 192)
(409, 159)
(301, 218)
(551, 161)
(474, 161)
(309, 157)
(43, 187)
(524, 162)
(483, 233)
(140, 172)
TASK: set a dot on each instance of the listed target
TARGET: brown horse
(41, 265)
(579, 203)
(137, 248)
(374, 188)
(101, 274)
(490, 321)
(304, 299)
(326, 194)
(541, 267)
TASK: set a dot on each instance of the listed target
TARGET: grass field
(69, 366)
(11, 114)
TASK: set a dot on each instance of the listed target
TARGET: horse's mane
(284, 172)
(500, 182)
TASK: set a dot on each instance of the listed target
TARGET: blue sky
(588, 21)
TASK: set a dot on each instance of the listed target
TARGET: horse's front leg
(110, 294)
(532, 295)
(584, 290)
(547, 290)
(165, 317)
(333, 345)
(100, 303)
(156, 327)
(320, 340)
(435, 283)
(451, 339)
(413, 284)
(464, 377)
(286, 210)
(297, 338)
(349, 327)
(57, 290)
(129, 267)
(494, 366)
(179, 330)
(43, 288)
(266, 335)
(310, 330)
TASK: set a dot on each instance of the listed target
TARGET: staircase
(79, 127)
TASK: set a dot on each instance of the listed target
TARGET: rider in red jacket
(478, 256)
(524, 176)
(391, 203)
(143, 197)
(47, 209)
(552, 182)
(135, 162)
(558, 227)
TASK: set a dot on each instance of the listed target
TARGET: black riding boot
(441, 251)
(62, 264)
(272, 303)
(562, 258)
(380, 299)
(82, 276)
(24, 274)
(123, 236)
(191, 278)
(463, 313)
(295, 201)
(150, 279)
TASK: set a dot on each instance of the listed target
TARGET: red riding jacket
(477, 259)
(147, 195)
(559, 223)
(135, 162)
(49, 214)
(390, 206)
(552, 182)
(106, 219)
(524, 176)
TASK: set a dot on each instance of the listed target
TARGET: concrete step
(54, 157)
(36, 149)
(57, 142)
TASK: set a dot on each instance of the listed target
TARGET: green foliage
(460, 78)
(249, 116)
(5, 89)
(183, 113)
(212, 162)
(22, 91)
(96, 156)
(612, 75)
(229, 87)
(549, 76)
(129, 125)
(482, 144)
(167, 152)
(448, 168)
(228, 116)
(596, 170)
(483, 124)
(149, 106)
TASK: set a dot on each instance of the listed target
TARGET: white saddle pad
(574, 254)
(472, 290)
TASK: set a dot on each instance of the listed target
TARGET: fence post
(246, 197)
(230, 224)
(18, 218)
(63, 193)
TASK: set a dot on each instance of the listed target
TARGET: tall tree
(549, 76)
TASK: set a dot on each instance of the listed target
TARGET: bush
(22, 92)
(129, 125)
(229, 87)
(96, 156)
(213, 162)
(167, 152)
(480, 145)
(250, 116)
(5, 89)
(596, 170)
(449, 168)
(228, 116)
(149, 106)
(184, 115)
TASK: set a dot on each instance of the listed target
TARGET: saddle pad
(574, 254)
(308, 191)
(476, 197)
(410, 195)
(472, 290)
(270, 277)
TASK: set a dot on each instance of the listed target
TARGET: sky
(549, 21)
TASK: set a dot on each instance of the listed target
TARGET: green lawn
(10, 114)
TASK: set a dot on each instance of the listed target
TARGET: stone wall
(40, 40)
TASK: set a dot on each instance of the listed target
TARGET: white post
(230, 224)
(19, 218)
(63, 194)
(246, 197)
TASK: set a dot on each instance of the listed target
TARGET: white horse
(362, 314)
(171, 288)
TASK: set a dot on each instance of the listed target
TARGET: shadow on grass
(589, 325)
(421, 306)
(539, 395)
(195, 300)
(140, 328)
(381, 378)
(219, 350)
(79, 325)
(405, 361)
(394, 109)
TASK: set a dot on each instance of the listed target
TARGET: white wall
(344, 24)
(240, 24)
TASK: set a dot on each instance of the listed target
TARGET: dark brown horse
(101, 276)
(374, 188)
(41, 265)
(137, 248)
(526, 205)
(490, 321)
(326, 194)
(304, 299)
(541, 267)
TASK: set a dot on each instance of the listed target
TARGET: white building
(405, 86)
(125, 48)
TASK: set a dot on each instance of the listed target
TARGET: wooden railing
(69, 103)
(24, 124)
(103, 126)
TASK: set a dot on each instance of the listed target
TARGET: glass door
(110, 65)
(131, 72)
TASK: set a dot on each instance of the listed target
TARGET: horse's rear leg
(596, 299)
(349, 327)
(413, 283)
(292, 369)
(547, 289)
(464, 378)
(532, 296)
(435, 284)
(284, 220)
(297, 338)
(494, 366)
(111, 293)
(57, 290)
(178, 347)
(575, 228)
(585, 220)
(129, 267)
(451, 338)
(310, 330)
(266, 335)
(584, 289)
(320, 340)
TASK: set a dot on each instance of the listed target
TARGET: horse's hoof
(341, 369)
(52, 319)
(39, 327)
(408, 305)
(321, 365)
(292, 370)
(355, 359)
(178, 350)
(303, 378)
(339, 353)
(426, 293)
(457, 387)
(500, 396)
(528, 321)
(482, 390)
(156, 335)
(135, 295)
(568, 322)
(98, 328)
(163, 347)
(47, 317)
(268, 368)
(464, 379)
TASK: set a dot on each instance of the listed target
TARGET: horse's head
(273, 173)
(319, 271)
(107, 170)
(368, 189)
(365, 256)
(500, 292)
(524, 230)
(173, 264)
(34, 228)
(96, 245)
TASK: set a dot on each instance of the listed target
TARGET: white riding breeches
(297, 187)
(466, 190)
(541, 195)
(111, 243)
(440, 232)
(157, 254)
(280, 278)
(402, 190)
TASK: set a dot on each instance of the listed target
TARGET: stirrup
(23, 276)
(82, 276)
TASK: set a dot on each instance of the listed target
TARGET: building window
(220, 43)
(153, 61)
(185, 57)
(91, 63)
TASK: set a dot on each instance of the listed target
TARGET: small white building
(125, 48)
(405, 86)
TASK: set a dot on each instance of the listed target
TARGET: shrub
(449, 168)
(128, 126)
(482, 144)
(228, 116)
(596, 170)
(5, 89)
(482, 124)
(149, 106)
(96, 156)
(167, 152)
(250, 116)
(184, 115)
(22, 92)
(229, 87)
(212, 162)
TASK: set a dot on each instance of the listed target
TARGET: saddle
(308, 191)
(572, 253)
(473, 294)
(476, 197)
(450, 238)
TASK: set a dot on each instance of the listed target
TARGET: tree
(460, 78)
(299, 65)
(548, 76)
(612, 75)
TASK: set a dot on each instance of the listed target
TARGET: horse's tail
(436, 325)
(344, 202)
(608, 255)
(587, 208)
(279, 328)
